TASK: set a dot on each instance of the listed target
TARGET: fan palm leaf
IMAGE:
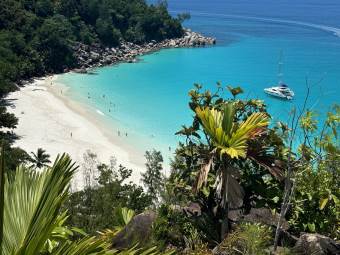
(228, 136)
(86, 245)
(32, 204)
(32, 216)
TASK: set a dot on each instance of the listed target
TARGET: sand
(48, 119)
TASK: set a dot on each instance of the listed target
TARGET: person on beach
(126, 134)
(71, 134)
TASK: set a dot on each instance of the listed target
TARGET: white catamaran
(281, 90)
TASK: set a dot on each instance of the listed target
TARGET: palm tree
(30, 203)
(230, 142)
(32, 219)
(40, 159)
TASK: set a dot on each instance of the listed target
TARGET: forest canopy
(37, 37)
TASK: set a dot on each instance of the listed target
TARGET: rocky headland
(95, 55)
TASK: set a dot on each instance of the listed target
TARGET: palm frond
(32, 204)
(202, 175)
(228, 188)
(139, 251)
(228, 136)
(2, 194)
(84, 246)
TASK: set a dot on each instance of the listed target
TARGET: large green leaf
(228, 136)
(86, 245)
(32, 203)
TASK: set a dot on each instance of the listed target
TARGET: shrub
(248, 238)
(174, 228)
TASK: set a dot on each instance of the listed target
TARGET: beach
(48, 119)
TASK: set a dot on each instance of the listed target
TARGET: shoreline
(90, 57)
(49, 119)
(59, 124)
(93, 115)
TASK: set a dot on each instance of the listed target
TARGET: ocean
(148, 100)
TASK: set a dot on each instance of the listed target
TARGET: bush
(248, 238)
(174, 228)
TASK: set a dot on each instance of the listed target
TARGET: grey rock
(265, 216)
(138, 230)
(316, 244)
(95, 55)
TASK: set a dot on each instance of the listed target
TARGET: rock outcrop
(95, 55)
(316, 244)
(138, 230)
(265, 216)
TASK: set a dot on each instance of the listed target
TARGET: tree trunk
(225, 207)
(224, 222)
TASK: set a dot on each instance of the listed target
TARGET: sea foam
(100, 112)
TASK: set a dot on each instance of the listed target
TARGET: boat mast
(280, 74)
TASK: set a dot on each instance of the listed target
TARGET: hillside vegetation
(36, 38)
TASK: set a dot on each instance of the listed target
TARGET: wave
(334, 30)
(100, 112)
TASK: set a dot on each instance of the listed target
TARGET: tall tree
(229, 139)
(106, 190)
(153, 178)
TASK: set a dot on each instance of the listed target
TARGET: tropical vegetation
(39, 37)
(239, 183)
(33, 218)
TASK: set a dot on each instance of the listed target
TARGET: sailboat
(281, 90)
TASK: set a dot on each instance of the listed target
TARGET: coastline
(89, 57)
(50, 120)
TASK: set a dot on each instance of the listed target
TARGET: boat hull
(274, 94)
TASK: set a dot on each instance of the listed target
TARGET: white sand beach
(50, 120)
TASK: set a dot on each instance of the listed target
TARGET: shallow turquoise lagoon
(149, 99)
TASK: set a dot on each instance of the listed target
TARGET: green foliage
(31, 208)
(153, 179)
(172, 227)
(183, 17)
(7, 120)
(316, 204)
(95, 208)
(248, 239)
(231, 138)
(124, 216)
(107, 32)
(53, 38)
(38, 37)
(230, 157)
(40, 159)
(316, 207)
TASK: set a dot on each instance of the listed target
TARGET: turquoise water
(149, 99)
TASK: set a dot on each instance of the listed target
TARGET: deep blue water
(149, 99)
